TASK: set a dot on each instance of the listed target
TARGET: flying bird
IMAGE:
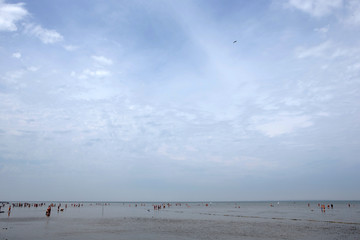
(234, 41)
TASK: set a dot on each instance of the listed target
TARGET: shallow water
(218, 220)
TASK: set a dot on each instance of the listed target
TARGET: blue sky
(152, 100)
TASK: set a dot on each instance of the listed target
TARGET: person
(9, 211)
(48, 211)
(323, 208)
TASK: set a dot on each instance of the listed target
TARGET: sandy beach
(145, 228)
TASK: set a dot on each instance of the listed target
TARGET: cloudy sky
(153, 100)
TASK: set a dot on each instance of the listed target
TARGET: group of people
(323, 207)
(26, 204)
(160, 206)
(60, 209)
(2, 205)
(155, 206)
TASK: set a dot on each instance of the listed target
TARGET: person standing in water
(9, 211)
(48, 211)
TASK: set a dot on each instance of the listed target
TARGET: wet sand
(150, 228)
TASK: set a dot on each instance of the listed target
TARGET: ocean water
(191, 220)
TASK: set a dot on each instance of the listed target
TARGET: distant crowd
(61, 207)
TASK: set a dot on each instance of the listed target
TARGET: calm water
(218, 220)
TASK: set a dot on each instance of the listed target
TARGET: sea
(182, 220)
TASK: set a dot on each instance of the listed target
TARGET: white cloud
(292, 102)
(33, 69)
(323, 114)
(70, 48)
(11, 76)
(317, 51)
(97, 73)
(322, 30)
(171, 152)
(316, 8)
(282, 125)
(45, 35)
(13, 79)
(91, 73)
(326, 49)
(16, 55)
(340, 52)
(354, 67)
(256, 163)
(102, 60)
(319, 8)
(10, 14)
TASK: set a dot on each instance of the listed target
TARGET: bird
(234, 41)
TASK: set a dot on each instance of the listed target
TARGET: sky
(155, 101)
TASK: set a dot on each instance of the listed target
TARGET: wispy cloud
(169, 92)
(70, 48)
(279, 125)
(10, 14)
(45, 35)
(32, 69)
(316, 8)
(326, 49)
(102, 60)
(16, 55)
(91, 73)
(316, 51)
(322, 30)
(14, 75)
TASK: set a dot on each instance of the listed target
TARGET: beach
(251, 220)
